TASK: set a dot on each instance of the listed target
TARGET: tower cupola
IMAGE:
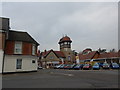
(65, 43)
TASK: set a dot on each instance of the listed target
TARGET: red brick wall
(9, 47)
(26, 48)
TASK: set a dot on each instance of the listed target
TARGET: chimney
(45, 51)
(4, 24)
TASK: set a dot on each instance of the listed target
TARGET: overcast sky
(93, 25)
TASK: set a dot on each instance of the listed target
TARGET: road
(54, 78)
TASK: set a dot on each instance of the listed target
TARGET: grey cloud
(88, 24)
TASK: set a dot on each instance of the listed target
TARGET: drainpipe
(4, 54)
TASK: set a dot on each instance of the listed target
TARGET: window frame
(19, 64)
(17, 47)
(33, 49)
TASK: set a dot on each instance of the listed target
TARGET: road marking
(62, 74)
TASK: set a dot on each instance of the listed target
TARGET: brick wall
(26, 48)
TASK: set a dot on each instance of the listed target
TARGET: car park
(96, 66)
(78, 67)
(87, 66)
(114, 66)
(105, 66)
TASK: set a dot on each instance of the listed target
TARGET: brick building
(51, 58)
(88, 55)
(20, 51)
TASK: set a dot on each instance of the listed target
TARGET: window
(69, 58)
(18, 48)
(65, 42)
(33, 61)
(51, 57)
(33, 49)
(19, 64)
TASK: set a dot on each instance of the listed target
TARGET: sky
(88, 24)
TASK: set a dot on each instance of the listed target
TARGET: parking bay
(55, 78)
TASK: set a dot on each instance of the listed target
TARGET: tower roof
(64, 39)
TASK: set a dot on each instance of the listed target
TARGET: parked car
(72, 66)
(100, 64)
(78, 66)
(87, 66)
(39, 67)
(96, 66)
(62, 66)
(58, 66)
(67, 66)
(105, 66)
(114, 66)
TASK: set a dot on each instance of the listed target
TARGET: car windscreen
(86, 65)
(77, 65)
(96, 64)
(115, 64)
(105, 64)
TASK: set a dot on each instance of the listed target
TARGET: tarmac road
(55, 78)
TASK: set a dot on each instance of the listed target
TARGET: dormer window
(18, 48)
(33, 49)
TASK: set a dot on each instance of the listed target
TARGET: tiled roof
(44, 53)
(108, 55)
(57, 53)
(63, 39)
(60, 54)
(90, 55)
(20, 36)
(101, 55)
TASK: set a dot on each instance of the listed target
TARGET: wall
(27, 65)
(26, 48)
(9, 47)
(69, 53)
(51, 54)
(1, 59)
(2, 40)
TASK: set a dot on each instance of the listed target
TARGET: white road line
(62, 74)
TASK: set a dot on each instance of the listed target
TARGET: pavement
(55, 78)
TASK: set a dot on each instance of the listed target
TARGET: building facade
(4, 27)
(20, 52)
(52, 58)
(88, 55)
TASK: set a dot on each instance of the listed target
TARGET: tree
(113, 50)
(101, 50)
